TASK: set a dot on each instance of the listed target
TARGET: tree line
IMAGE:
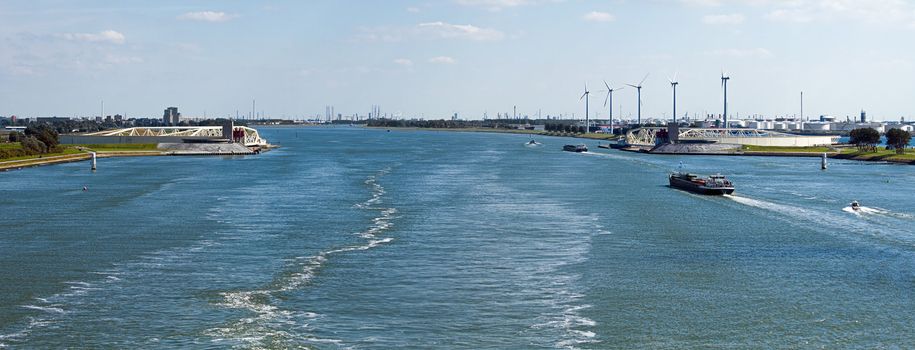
(866, 139)
(37, 139)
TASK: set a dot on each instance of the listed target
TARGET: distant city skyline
(437, 58)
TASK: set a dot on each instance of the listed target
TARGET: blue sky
(435, 58)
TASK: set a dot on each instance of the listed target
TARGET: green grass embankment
(44, 159)
(779, 149)
(10, 145)
(119, 147)
(882, 154)
(66, 151)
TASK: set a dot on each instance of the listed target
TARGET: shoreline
(86, 155)
(590, 136)
(889, 158)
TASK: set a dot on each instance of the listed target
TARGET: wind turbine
(586, 97)
(639, 88)
(610, 98)
(673, 85)
(724, 85)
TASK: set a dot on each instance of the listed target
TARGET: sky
(434, 58)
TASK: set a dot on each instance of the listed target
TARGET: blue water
(355, 238)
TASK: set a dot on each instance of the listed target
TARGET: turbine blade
(619, 88)
(676, 73)
(632, 85)
(643, 79)
(606, 98)
(582, 96)
(607, 85)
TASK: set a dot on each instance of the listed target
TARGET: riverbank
(756, 151)
(76, 153)
(38, 161)
(882, 155)
(592, 136)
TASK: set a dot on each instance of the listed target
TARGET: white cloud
(595, 16)
(494, 5)
(403, 62)
(869, 12)
(463, 31)
(207, 16)
(742, 53)
(443, 59)
(108, 36)
(733, 18)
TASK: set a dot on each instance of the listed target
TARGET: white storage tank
(816, 126)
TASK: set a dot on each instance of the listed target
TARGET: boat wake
(818, 219)
(622, 155)
(876, 211)
(269, 326)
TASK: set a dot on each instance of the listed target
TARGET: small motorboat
(607, 146)
(532, 143)
(855, 205)
(575, 148)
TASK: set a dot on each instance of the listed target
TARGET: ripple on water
(273, 326)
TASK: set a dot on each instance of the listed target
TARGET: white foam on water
(269, 321)
(49, 309)
(818, 219)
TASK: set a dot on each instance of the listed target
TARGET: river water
(355, 238)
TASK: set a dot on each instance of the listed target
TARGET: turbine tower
(673, 85)
(724, 85)
(610, 98)
(586, 97)
(639, 88)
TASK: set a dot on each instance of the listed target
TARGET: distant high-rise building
(171, 116)
(863, 116)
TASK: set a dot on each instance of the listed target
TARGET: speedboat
(532, 143)
(855, 205)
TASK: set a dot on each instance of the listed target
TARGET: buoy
(823, 163)
(85, 188)
(93, 160)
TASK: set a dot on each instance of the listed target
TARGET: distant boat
(855, 205)
(575, 148)
(532, 142)
(711, 185)
(607, 146)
